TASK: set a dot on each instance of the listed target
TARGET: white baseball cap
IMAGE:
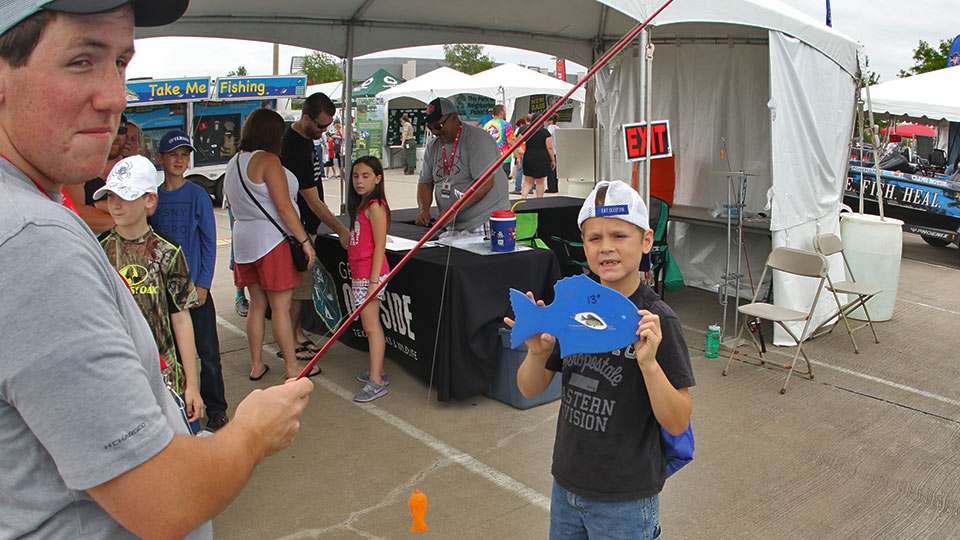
(615, 199)
(131, 178)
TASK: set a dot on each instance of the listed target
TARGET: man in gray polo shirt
(452, 162)
(92, 444)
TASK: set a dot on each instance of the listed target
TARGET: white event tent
(508, 82)
(773, 85)
(441, 82)
(930, 96)
(333, 90)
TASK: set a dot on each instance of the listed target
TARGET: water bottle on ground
(712, 348)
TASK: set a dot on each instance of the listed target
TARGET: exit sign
(635, 140)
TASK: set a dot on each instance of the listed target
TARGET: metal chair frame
(790, 261)
(826, 245)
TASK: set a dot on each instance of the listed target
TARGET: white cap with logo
(131, 178)
(615, 199)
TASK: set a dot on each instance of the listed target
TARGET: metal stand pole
(876, 159)
(736, 202)
(347, 122)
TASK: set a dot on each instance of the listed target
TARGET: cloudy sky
(888, 29)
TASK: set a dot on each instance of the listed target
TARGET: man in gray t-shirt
(92, 444)
(452, 162)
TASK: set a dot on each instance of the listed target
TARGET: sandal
(305, 355)
(299, 351)
(266, 368)
(313, 373)
(310, 346)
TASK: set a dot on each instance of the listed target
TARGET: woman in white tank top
(263, 262)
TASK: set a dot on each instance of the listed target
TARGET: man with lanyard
(93, 445)
(452, 162)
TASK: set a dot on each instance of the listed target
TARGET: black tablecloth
(474, 303)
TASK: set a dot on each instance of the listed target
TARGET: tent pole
(860, 124)
(347, 122)
(647, 111)
(875, 131)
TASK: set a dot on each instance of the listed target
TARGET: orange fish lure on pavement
(418, 511)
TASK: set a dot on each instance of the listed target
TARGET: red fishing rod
(442, 220)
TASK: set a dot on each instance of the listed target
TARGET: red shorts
(273, 272)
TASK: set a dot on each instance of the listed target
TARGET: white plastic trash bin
(874, 247)
(579, 187)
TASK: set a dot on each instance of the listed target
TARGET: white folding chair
(790, 261)
(828, 244)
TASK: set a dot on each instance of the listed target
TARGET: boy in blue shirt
(608, 465)
(185, 217)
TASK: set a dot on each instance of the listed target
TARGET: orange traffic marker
(418, 511)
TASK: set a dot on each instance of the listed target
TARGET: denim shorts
(578, 518)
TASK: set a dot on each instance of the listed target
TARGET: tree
(321, 67)
(239, 72)
(927, 58)
(469, 59)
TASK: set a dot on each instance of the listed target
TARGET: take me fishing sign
(635, 140)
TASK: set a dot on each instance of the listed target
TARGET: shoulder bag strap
(256, 202)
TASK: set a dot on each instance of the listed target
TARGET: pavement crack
(523, 431)
(393, 496)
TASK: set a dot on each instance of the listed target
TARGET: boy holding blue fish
(608, 464)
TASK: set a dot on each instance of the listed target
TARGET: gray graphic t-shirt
(475, 152)
(608, 440)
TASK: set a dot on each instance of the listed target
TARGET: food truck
(211, 111)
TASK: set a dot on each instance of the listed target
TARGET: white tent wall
(708, 93)
(811, 112)
(729, 92)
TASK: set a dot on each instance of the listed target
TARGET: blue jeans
(208, 349)
(518, 178)
(573, 518)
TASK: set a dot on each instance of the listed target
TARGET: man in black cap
(452, 162)
(93, 444)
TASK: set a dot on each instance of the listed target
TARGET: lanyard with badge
(447, 165)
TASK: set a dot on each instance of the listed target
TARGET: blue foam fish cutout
(585, 317)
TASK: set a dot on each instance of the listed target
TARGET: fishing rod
(442, 220)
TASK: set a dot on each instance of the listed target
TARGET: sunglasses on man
(437, 126)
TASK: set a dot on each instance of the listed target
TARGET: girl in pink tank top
(369, 221)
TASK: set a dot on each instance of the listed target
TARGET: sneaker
(242, 305)
(216, 421)
(370, 392)
(365, 378)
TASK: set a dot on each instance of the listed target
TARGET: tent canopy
(333, 90)
(507, 82)
(504, 83)
(931, 96)
(378, 82)
(441, 82)
(572, 29)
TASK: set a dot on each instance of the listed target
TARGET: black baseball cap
(439, 108)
